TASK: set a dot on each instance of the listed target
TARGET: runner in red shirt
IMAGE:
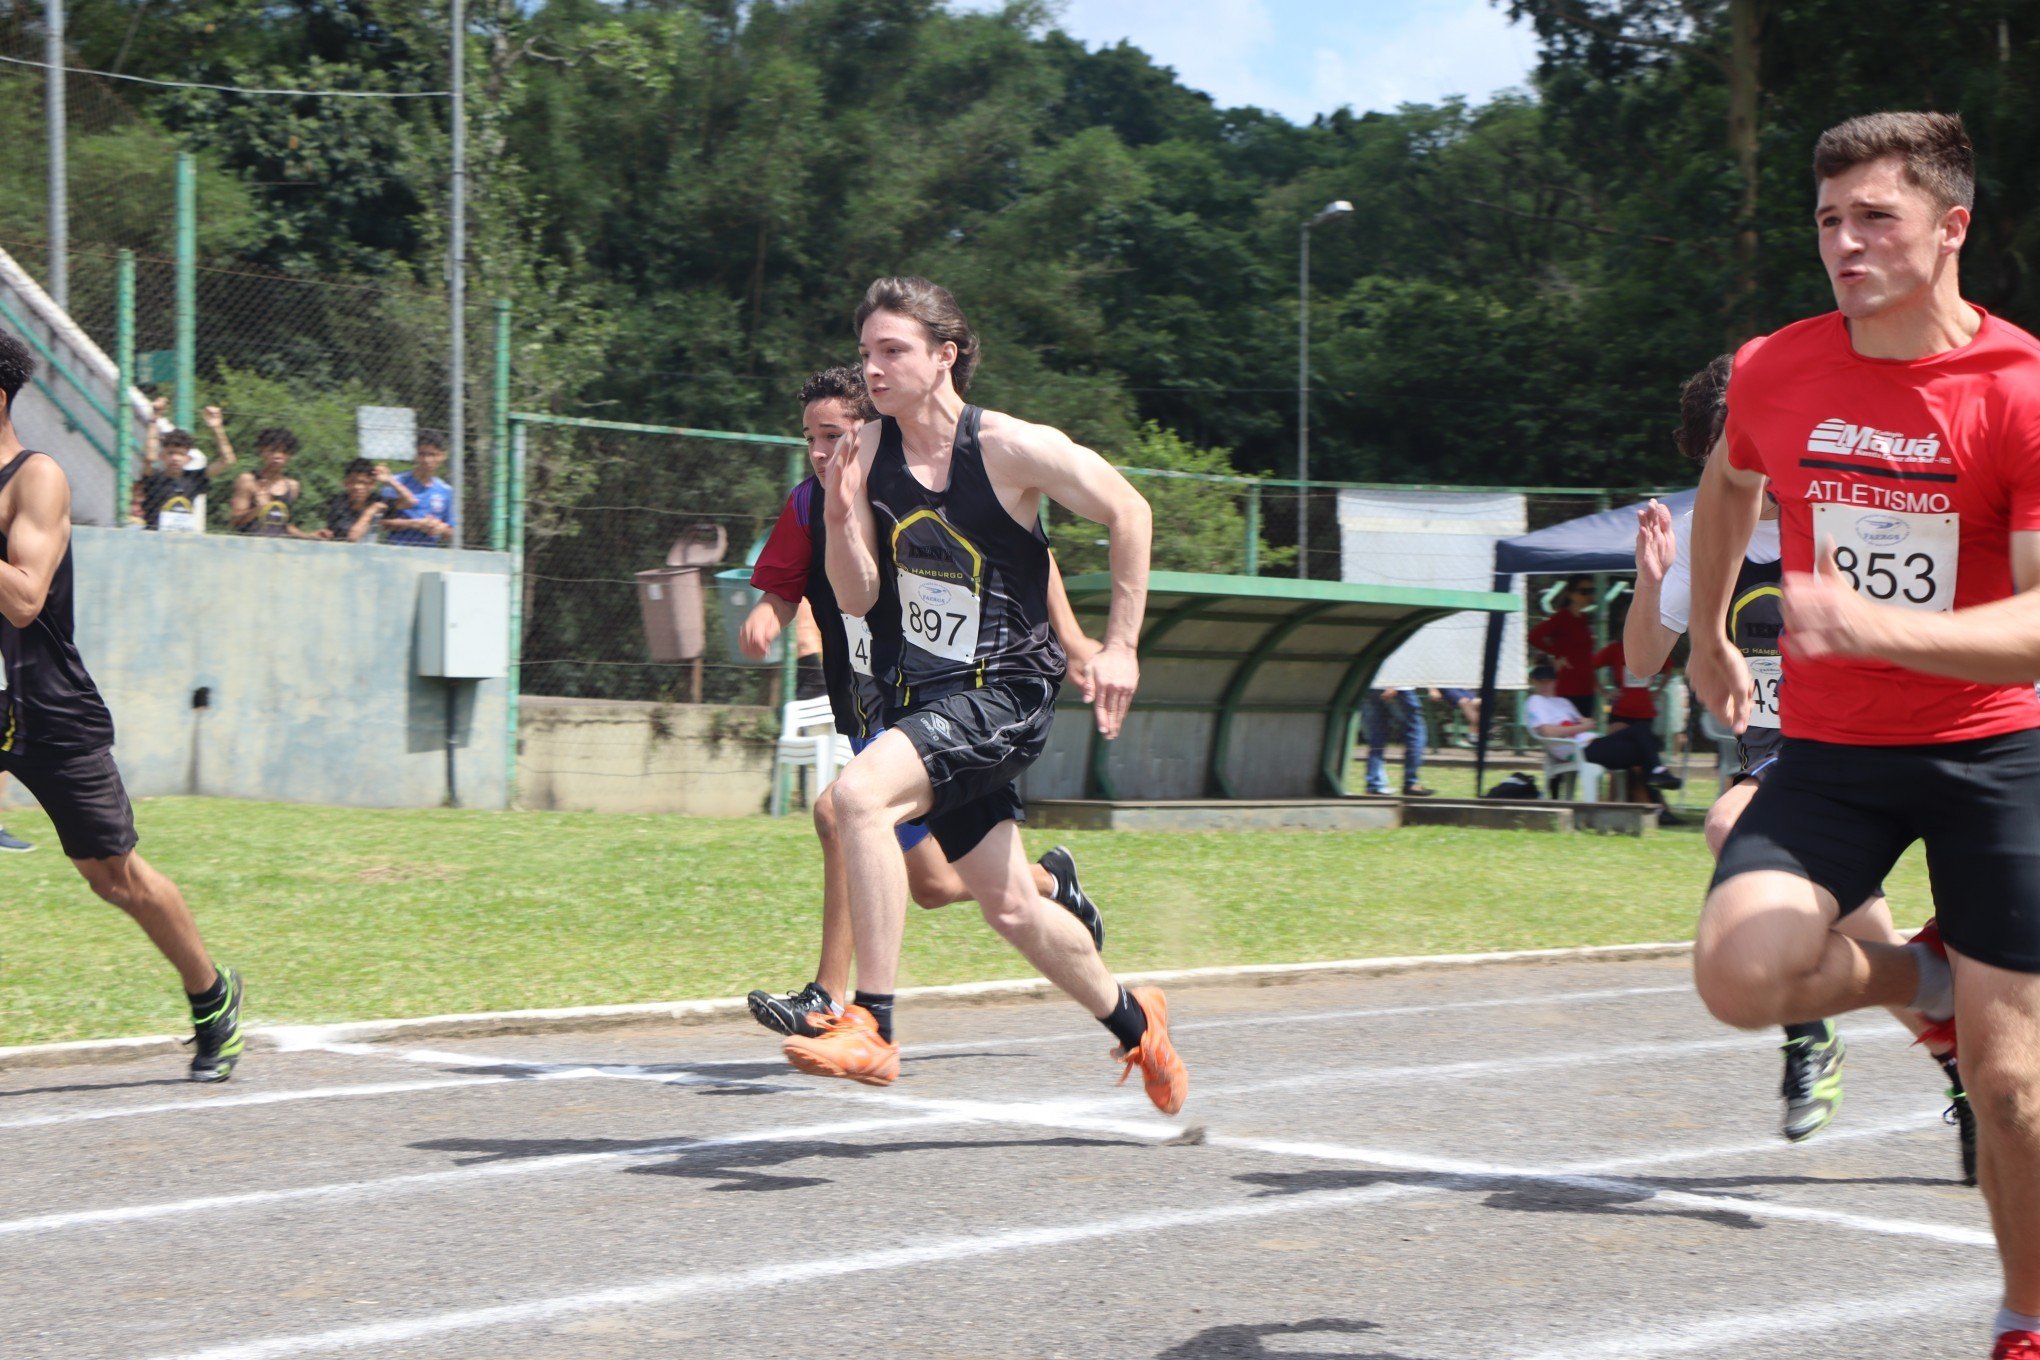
(1902, 432)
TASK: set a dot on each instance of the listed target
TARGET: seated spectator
(1467, 701)
(428, 521)
(1553, 718)
(1635, 708)
(353, 515)
(1402, 709)
(264, 500)
(1549, 715)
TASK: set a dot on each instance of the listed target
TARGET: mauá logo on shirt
(1835, 435)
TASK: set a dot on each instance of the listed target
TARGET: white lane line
(223, 1102)
(942, 1251)
(522, 1166)
(1674, 1336)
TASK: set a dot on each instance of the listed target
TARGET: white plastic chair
(1564, 755)
(1724, 747)
(808, 740)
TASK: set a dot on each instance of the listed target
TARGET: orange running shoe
(1160, 1069)
(848, 1045)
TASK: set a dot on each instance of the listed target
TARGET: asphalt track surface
(1559, 1162)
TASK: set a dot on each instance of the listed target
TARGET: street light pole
(1337, 208)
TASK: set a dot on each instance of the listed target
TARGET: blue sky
(1305, 57)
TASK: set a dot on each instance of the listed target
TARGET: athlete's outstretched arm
(852, 556)
(1646, 642)
(1725, 514)
(1046, 459)
(36, 540)
(764, 623)
(1992, 644)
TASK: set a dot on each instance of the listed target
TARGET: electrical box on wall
(463, 625)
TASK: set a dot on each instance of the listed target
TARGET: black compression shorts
(1840, 816)
(84, 798)
(974, 744)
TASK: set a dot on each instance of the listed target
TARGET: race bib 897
(1906, 560)
(939, 617)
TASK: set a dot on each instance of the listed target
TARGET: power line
(230, 89)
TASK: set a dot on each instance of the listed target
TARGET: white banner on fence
(1435, 540)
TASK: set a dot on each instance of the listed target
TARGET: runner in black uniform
(935, 539)
(1812, 1085)
(792, 568)
(56, 735)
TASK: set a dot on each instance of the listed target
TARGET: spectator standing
(1568, 640)
(1388, 709)
(352, 516)
(167, 496)
(265, 499)
(428, 521)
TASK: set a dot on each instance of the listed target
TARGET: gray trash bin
(670, 598)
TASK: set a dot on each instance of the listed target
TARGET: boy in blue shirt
(429, 522)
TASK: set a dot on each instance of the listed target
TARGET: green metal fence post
(123, 380)
(1254, 529)
(499, 448)
(516, 678)
(184, 404)
(1602, 504)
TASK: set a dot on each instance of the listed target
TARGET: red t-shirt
(1566, 637)
(782, 566)
(1921, 470)
(1633, 703)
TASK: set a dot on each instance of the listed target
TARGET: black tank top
(963, 588)
(272, 516)
(1756, 620)
(848, 667)
(49, 702)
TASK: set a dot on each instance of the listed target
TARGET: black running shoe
(789, 1014)
(1962, 1117)
(1813, 1083)
(1662, 778)
(217, 1035)
(1062, 867)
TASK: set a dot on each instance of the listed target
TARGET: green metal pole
(1254, 530)
(1601, 504)
(499, 481)
(789, 664)
(123, 381)
(185, 404)
(516, 679)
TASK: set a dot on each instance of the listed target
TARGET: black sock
(880, 1006)
(1128, 1022)
(1947, 1061)
(1815, 1030)
(206, 1002)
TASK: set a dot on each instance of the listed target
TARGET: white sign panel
(386, 434)
(1435, 540)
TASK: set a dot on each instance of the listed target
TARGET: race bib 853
(1907, 560)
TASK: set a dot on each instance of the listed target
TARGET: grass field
(339, 914)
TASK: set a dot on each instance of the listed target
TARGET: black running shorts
(1840, 816)
(83, 796)
(1758, 748)
(974, 744)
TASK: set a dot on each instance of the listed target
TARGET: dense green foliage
(684, 198)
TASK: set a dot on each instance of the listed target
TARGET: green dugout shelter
(1250, 686)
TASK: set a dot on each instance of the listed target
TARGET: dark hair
(356, 467)
(17, 366)
(843, 384)
(276, 437)
(917, 299)
(178, 439)
(432, 441)
(1934, 147)
(1703, 408)
(1579, 583)
(1543, 673)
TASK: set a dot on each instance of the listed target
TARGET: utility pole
(60, 208)
(1337, 208)
(456, 406)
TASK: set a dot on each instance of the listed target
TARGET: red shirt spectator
(1568, 640)
(1633, 703)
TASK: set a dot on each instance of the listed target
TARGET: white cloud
(1467, 47)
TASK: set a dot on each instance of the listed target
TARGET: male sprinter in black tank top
(934, 538)
(56, 735)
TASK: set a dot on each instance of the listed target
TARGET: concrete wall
(308, 651)
(601, 755)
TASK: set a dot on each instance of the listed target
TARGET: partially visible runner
(1812, 1088)
(934, 536)
(1901, 435)
(56, 735)
(792, 572)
